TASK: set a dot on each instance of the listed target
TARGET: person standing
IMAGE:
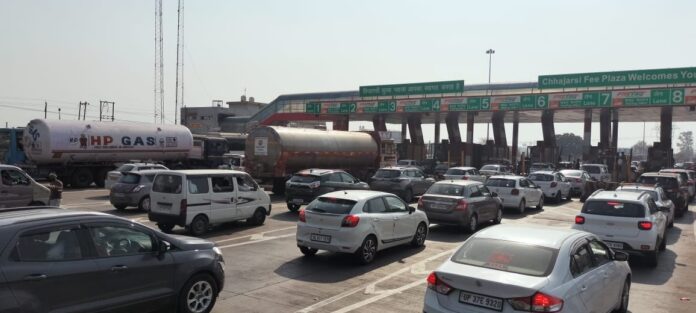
(56, 187)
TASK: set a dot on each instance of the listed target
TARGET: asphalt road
(265, 272)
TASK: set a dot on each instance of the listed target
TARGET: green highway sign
(580, 100)
(466, 104)
(313, 107)
(418, 105)
(523, 102)
(341, 108)
(621, 78)
(648, 97)
(412, 89)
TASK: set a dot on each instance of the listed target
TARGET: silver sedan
(512, 268)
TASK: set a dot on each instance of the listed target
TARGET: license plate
(320, 238)
(438, 206)
(614, 245)
(481, 300)
(297, 201)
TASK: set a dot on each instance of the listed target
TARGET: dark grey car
(57, 260)
(405, 182)
(461, 202)
(306, 185)
(133, 189)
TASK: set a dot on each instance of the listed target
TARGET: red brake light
(515, 192)
(539, 302)
(302, 216)
(436, 284)
(645, 225)
(183, 207)
(462, 205)
(554, 184)
(420, 202)
(465, 177)
(350, 221)
(579, 219)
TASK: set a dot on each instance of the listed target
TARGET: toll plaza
(657, 95)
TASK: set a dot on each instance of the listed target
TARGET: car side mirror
(620, 256)
(163, 247)
(411, 210)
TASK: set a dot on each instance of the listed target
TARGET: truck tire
(82, 178)
(278, 187)
(100, 176)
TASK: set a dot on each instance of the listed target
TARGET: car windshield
(613, 208)
(500, 182)
(130, 178)
(387, 174)
(652, 193)
(446, 190)
(507, 256)
(455, 171)
(665, 182)
(167, 183)
(591, 169)
(541, 177)
(331, 205)
(125, 168)
(489, 168)
(304, 179)
(572, 173)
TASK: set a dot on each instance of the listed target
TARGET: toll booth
(411, 151)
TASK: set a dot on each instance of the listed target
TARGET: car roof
(463, 168)
(543, 172)
(655, 174)
(616, 195)
(516, 177)
(316, 171)
(142, 164)
(638, 187)
(675, 170)
(28, 214)
(397, 167)
(200, 172)
(145, 172)
(552, 237)
(7, 166)
(458, 182)
(355, 195)
(594, 165)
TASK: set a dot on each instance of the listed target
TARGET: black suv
(54, 260)
(673, 185)
(307, 185)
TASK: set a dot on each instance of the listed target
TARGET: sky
(64, 52)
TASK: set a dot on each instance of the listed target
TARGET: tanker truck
(274, 153)
(82, 152)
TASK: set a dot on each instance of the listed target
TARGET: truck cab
(11, 148)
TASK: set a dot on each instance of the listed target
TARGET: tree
(686, 146)
(640, 149)
(570, 146)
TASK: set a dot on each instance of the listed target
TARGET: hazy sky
(69, 51)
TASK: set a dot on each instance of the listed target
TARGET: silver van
(17, 189)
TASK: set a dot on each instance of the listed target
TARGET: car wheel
(308, 251)
(258, 218)
(198, 294)
(521, 207)
(367, 251)
(144, 204)
(198, 226)
(671, 223)
(120, 207)
(651, 258)
(663, 242)
(498, 216)
(541, 203)
(473, 224)
(165, 228)
(559, 197)
(408, 196)
(625, 293)
(293, 207)
(420, 235)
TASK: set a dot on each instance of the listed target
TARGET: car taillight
(420, 203)
(515, 191)
(350, 221)
(302, 216)
(137, 188)
(314, 185)
(645, 225)
(554, 184)
(462, 205)
(579, 219)
(436, 284)
(465, 177)
(539, 302)
(182, 207)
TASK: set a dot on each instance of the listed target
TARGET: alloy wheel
(199, 297)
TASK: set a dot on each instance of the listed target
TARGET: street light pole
(490, 60)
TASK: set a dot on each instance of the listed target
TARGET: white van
(196, 199)
(17, 189)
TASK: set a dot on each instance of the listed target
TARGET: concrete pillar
(666, 127)
(403, 130)
(437, 129)
(587, 135)
(378, 123)
(515, 135)
(615, 129)
(604, 128)
(547, 128)
(469, 138)
(415, 130)
(498, 121)
(452, 123)
(341, 123)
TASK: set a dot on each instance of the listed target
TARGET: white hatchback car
(626, 221)
(553, 184)
(513, 268)
(360, 222)
(112, 177)
(516, 192)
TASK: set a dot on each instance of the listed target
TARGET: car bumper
(129, 199)
(299, 199)
(342, 240)
(162, 218)
(510, 201)
(451, 218)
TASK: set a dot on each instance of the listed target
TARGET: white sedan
(513, 268)
(360, 222)
(554, 185)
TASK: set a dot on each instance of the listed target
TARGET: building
(217, 118)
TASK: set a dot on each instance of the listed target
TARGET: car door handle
(35, 277)
(119, 268)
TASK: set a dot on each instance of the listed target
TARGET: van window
(245, 183)
(167, 183)
(222, 183)
(197, 184)
(13, 178)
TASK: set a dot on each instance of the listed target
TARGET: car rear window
(613, 208)
(446, 190)
(130, 178)
(453, 171)
(167, 183)
(591, 169)
(507, 256)
(541, 177)
(500, 182)
(387, 174)
(331, 205)
(665, 182)
(489, 168)
(304, 178)
(125, 168)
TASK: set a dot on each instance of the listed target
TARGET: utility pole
(82, 110)
(488, 92)
(179, 93)
(159, 66)
(59, 114)
(104, 108)
(45, 110)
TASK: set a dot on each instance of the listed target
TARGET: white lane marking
(380, 296)
(255, 241)
(75, 205)
(255, 236)
(140, 220)
(416, 268)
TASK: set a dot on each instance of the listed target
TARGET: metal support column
(604, 128)
(547, 128)
(469, 138)
(614, 129)
(666, 127)
(515, 135)
(403, 130)
(437, 129)
(498, 121)
(415, 130)
(587, 136)
(452, 123)
(378, 123)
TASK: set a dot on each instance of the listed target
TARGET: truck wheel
(82, 178)
(278, 187)
(100, 176)
(165, 228)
